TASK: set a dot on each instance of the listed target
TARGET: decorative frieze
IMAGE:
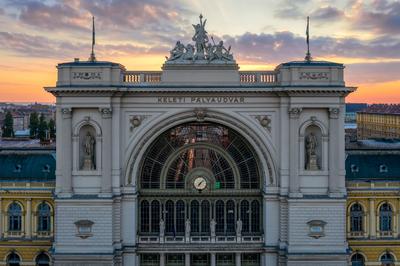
(86, 75)
(314, 75)
(106, 112)
(66, 113)
(265, 121)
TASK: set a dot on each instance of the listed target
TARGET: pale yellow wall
(28, 244)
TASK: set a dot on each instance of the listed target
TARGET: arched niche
(313, 146)
(87, 144)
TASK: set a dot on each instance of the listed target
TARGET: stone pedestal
(312, 163)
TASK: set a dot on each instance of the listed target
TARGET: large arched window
(42, 260)
(205, 217)
(13, 259)
(14, 217)
(357, 260)
(144, 216)
(220, 216)
(230, 217)
(195, 216)
(245, 216)
(385, 218)
(255, 216)
(44, 217)
(169, 217)
(215, 149)
(356, 218)
(155, 216)
(180, 216)
(387, 259)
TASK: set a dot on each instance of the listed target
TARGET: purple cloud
(327, 14)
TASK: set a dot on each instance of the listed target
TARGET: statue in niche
(213, 225)
(311, 146)
(162, 228)
(239, 226)
(88, 149)
(187, 228)
(177, 52)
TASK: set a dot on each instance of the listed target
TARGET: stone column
(187, 259)
(213, 259)
(334, 153)
(162, 259)
(271, 216)
(66, 150)
(238, 261)
(294, 184)
(130, 259)
(269, 259)
(28, 219)
(129, 217)
(106, 155)
(372, 219)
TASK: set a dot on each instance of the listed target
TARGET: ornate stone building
(200, 163)
(372, 173)
(27, 180)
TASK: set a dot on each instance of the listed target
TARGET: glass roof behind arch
(208, 145)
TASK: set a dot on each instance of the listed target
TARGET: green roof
(27, 166)
(373, 166)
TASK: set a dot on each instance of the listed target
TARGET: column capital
(66, 112)
(106, 112)
(294, 112)
(334, 113)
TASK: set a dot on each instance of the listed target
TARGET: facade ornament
(334, 113)
(187, 228)
(135, 121)
(295, 112)
(265, 121)
(84, 228)
(311, 145)
(88, 149)
(316, 228)
(106, 112)
(202, 50)
(162, 228)
(239, 226)
(213, 225)
(200, 114)
(66, 112)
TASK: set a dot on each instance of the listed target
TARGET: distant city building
(379, 121)
(351, 111)
(27, 180)
(373, 184)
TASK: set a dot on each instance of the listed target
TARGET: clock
(200, 183)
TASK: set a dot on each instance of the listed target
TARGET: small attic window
(354, 168)
(17, 168)
(383, 168)
(46, 168)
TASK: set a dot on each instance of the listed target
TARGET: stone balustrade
(154, 77)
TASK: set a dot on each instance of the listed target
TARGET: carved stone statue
(162, 228)
(213, 225)
(177, 52)
(202, 50)
(88, 148)
(239, 226)
(311, 146)
(187, 228)
(200, 38)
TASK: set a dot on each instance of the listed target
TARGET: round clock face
(200, 183)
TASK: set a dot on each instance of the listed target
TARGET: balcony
(143, 239)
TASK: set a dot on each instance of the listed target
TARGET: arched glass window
(44, 217)
(13, 260)
(387, 259)
(220, 216)
(194, 216)
(245, 216)
(169, 217)
(155, 216)
(357, 260)
(356, 218)
(42, 260)
(144, 216)
(255, 216)
(385, 217)
(178, 151)
(205, 216)
(14, 217)
(230, 217)
(180, 216)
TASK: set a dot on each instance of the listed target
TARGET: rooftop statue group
(202, 50)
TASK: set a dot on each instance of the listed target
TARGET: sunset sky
(37, 35)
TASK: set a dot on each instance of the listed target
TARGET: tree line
(39, 128)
